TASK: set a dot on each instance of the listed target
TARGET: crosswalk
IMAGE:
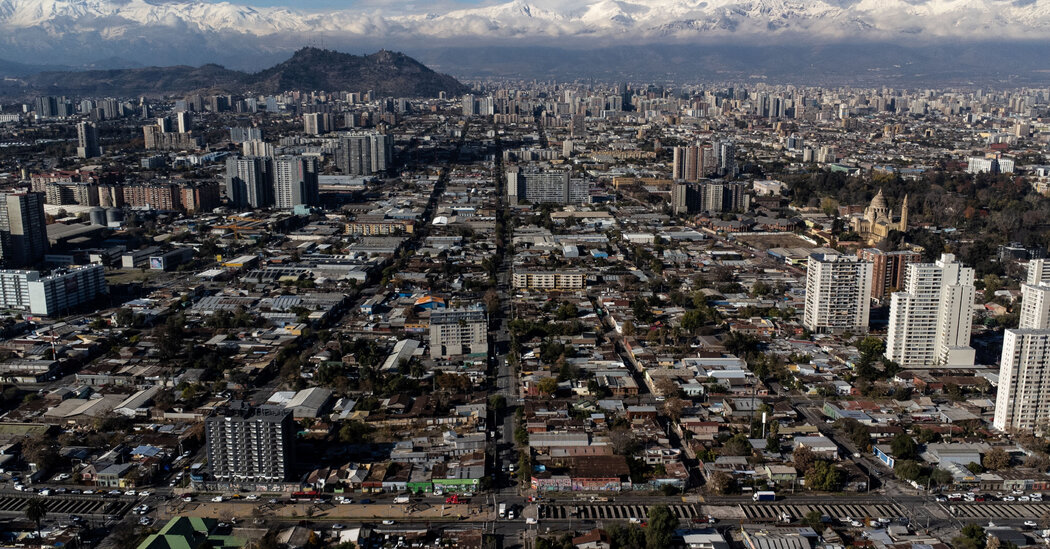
(774, 511)
(1000, 510)
(589, 511)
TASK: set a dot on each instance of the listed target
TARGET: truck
(764, 496)
(503, 510)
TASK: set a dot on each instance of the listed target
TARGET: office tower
(249, 182)
(931, 317)
(246, 443)
(55, 293)
(727, 159)
(458, 332)
(87, 140)
(184, 122)
(1022, 402)
(164, 124)
(837, 294)
(889, 269)
(295, 182)
(23, 229)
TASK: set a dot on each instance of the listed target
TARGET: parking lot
(610, 511)
(774, 511)
(58, 505)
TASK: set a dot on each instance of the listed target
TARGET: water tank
(97, 216)
(114, 216)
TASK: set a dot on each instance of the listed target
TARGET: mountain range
(75, 32)
(385, 72)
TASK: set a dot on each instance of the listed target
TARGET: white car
(144, 494)
(217, 499)
(531, 520)
(252, 497)
(1009, 498)
(388, 522)
(129, 493)
(1031, 524)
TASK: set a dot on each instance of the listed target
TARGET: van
(402, 499)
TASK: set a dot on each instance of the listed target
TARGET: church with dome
(877, 222)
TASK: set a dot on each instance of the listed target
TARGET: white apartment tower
(838, 294)
(931, 317)
(1023, 399)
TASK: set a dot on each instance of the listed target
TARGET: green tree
(823, 477)
(124, 317)
(973, 537)
(940, 477)
(720, 483)
(804, 459)
(907, 470)
(662, 524)
(35, 511)
(996, 459)
(903, 447)
(497, 403)
(547, 385)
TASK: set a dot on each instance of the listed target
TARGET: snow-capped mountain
(33, 28)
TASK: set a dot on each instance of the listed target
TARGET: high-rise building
(1022, 400)
(87, 141)
(364, 153)
(317, 123)
(246, 443)
(838, 290)
(53, 293)
(545, 187)
(931, 317)
(23, 229)
(685, 198)
(243, 135)
(727, 159)
(889, 269)
(688, 164)
(724, 196)
(458, 332)
(249, 182)
(295, 182)
(470, 105)
(184, 122)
